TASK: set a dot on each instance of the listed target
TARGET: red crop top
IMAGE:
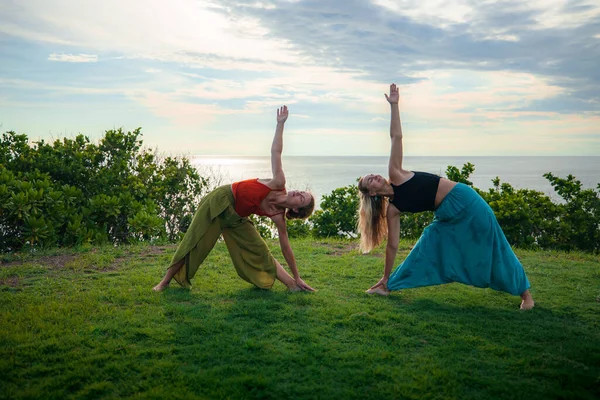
(248, 195)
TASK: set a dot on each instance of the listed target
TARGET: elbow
(393, 247)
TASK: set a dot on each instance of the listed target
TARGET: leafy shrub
(73, 191)
(462, 175)
(338, 213)
(298, 228)
(579, 217)
(412, 224)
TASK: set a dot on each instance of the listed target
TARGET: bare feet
(160, 287)
(378, 290)
(527, 303)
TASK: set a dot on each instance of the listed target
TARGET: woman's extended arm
(395, 162)
(288, 254)
(278, 181)
(393, 221)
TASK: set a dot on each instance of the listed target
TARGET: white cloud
(435, 12)
(549, 13)
(267, 6)
(147, 28)
(74, 58)
(243, 68)
(556, 13)
(506, 38)
(437, 99)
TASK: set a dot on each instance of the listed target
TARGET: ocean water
(321, 175)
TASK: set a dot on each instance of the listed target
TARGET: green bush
(579, 217)
(73, 191)
(338, 214)
(462, 175)
(298, 228)
(412, 224)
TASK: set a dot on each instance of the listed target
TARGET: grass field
(84, 323)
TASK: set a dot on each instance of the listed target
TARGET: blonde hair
(372, 222)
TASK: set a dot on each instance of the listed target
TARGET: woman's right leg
(527, 300)
(169, 275)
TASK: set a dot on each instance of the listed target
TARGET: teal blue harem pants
(465, 244)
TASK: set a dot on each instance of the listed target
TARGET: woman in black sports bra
(464, 243)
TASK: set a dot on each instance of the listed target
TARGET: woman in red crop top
(224, 212)
(464, 243)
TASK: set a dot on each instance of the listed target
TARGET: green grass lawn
(86, 324)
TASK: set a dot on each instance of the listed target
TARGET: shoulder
(273, 184)
(392, 210)
(279, 221)
(400, 177)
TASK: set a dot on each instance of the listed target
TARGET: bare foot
(378, 290)
(159, 287)
(527, 303)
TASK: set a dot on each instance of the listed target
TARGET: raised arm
(278, 181)
(395, 162)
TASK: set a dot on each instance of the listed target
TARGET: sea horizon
(363, 155)
(322, 174)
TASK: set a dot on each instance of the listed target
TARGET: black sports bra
(416, 194)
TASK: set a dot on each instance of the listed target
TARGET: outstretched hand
(394, 96)
(282, 114)
(303, 285)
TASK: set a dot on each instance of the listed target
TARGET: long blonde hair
(372, 222)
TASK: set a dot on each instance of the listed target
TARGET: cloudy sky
(477, 77)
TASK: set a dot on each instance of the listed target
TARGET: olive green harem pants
(214, 217)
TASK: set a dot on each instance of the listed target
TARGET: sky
(476, 77)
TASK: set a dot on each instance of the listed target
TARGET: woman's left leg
(251, 256)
